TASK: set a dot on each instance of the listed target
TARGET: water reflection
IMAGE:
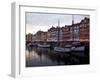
(48, 57)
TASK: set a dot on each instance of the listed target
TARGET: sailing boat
(69, 48)
(76, 44)
(59, 48)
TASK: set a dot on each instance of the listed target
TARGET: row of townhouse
(75, 32)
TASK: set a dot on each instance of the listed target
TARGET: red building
(66, 35)
(84, 30)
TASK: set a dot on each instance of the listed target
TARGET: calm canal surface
(36, 57)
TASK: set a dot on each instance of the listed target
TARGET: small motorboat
(79, 48)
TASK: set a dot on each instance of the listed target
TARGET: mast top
(58, 23)
(72, 19)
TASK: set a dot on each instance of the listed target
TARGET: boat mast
(72, 19)
(58, 23)
(72, 27)
(58, 31)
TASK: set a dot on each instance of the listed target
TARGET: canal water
(36, 57)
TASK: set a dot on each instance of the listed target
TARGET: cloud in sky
(43, 21)
(33, 29)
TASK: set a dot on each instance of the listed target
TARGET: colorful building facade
(75, 32)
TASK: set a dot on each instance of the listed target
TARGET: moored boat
(62, 49)
(44, 45)
(79, 48)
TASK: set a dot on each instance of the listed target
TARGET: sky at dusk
(44, 21)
